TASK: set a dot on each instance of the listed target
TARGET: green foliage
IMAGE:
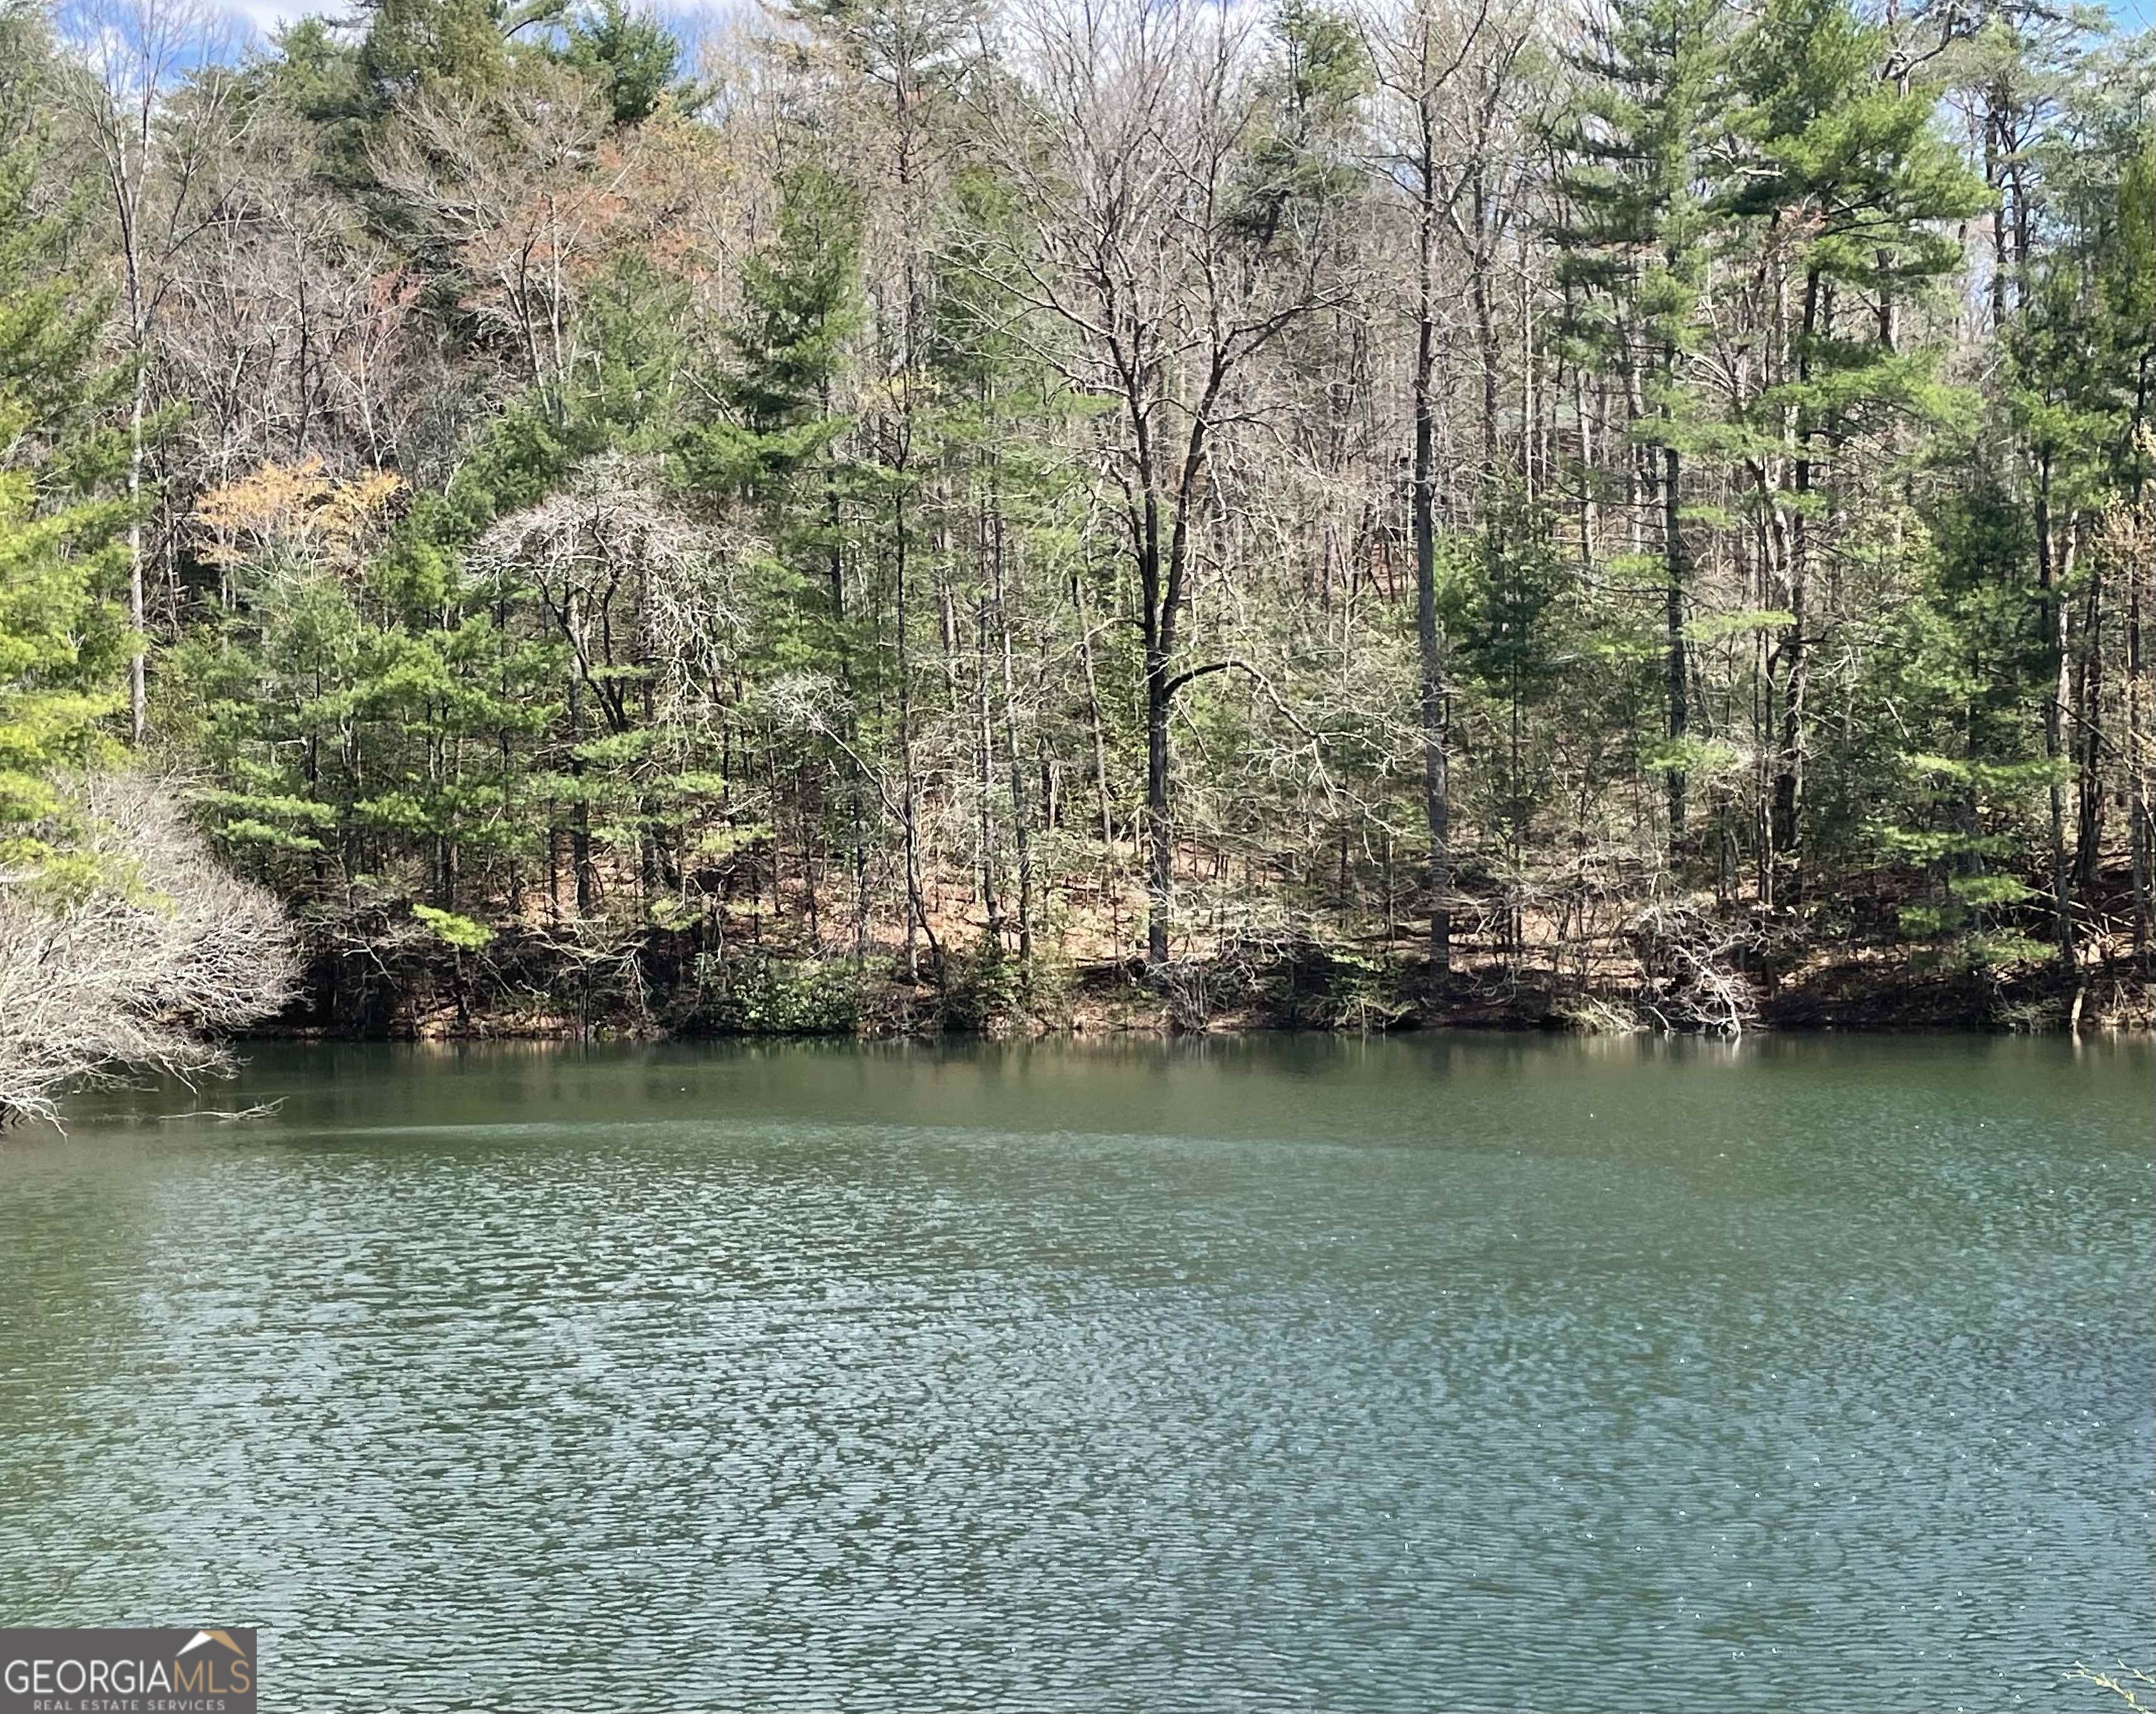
(1500, 609)
(985, 991)
(452, 929)
(767, 498)
(1856, 159)
(1855, 166)
(1706, 759)
(1305, 159)
(312, 70)
(1637, 188)
(62, 639)
(412, 46)
(631, 54)
(799, 297)
(755, 994)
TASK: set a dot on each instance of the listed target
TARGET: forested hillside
(910, 513)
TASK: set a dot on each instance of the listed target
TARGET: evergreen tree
(415, 45)
(1637, 223)
(631, 54)
(800, 297)
(63, 641)
(1846, 188)
(978, 493)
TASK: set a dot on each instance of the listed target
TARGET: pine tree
(800, 301)
(63, 641)
(1845, 188)
(631, 54)
(1634, 234)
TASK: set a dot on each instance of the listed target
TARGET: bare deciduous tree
(1152, 237)
(127, 975)
(133, 57)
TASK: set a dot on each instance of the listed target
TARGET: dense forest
(908, 513)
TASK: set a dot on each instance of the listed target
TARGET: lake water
(1462, 1372)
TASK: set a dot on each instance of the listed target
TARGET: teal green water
(1459, 1372)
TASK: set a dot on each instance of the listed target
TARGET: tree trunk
(580, 809)
(1093, 713)
(1788, 771)
(917, 911)
(1021, 834)
(1436, 784)
(2051, 618)
(2088, 721)
(1160, 830)
(2137, 768)
(1673, 619)
(138, 683)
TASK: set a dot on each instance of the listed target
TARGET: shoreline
(813, 999)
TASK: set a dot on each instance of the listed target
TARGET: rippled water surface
(1455, 1372)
